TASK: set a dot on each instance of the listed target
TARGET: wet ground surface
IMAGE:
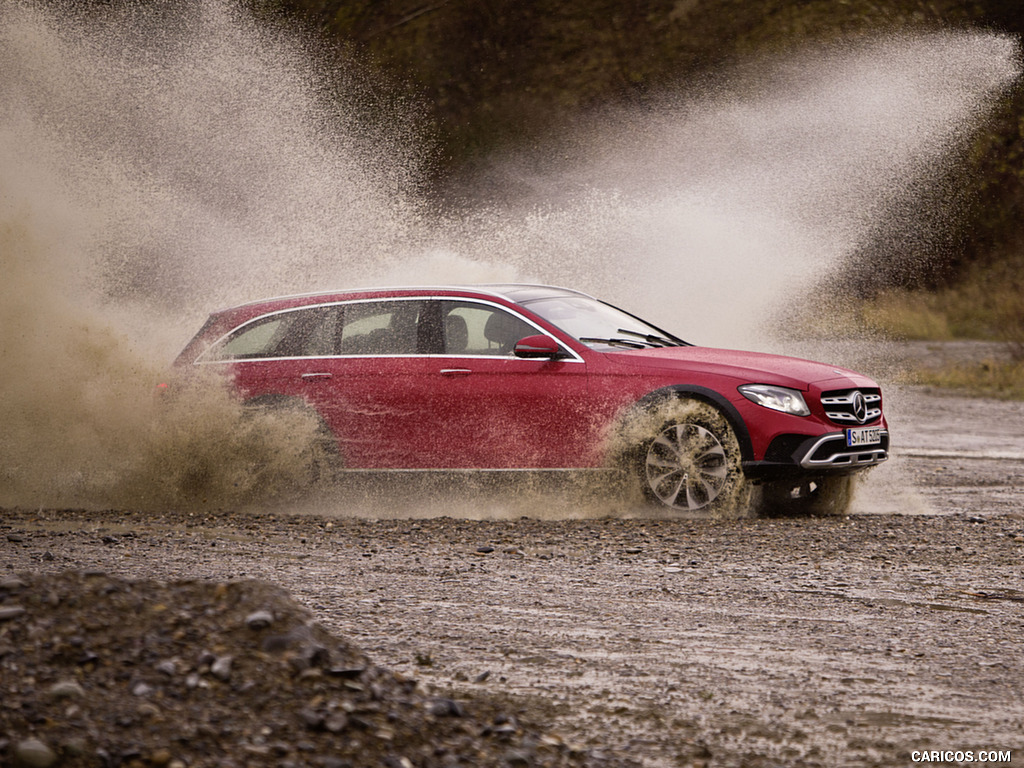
(855, 640)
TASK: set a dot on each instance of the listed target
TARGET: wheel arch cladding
(709, 396)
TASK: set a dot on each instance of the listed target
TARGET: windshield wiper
(613, 342)
(655, 341)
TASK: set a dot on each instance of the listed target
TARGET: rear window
(258, 339)
(298, 333)
(359, 328)
(380, 328)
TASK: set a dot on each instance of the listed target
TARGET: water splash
(714, 206)
(156, 166)
(207, 159)
(152, 169)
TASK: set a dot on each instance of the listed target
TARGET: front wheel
(689, 460)
(830, 495)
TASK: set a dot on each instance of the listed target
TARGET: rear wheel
(309, 449)
(689, 460)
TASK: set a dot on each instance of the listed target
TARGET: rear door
(359, 364)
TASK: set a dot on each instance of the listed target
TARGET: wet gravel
(848, 641)
(100, 670)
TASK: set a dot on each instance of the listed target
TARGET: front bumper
(799, 455)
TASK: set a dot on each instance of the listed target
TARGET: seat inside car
(456, 335)
(503, 331)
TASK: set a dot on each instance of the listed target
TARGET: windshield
(597, 324)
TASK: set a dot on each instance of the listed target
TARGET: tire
(688, 460)
(831, 495)
(311, 452)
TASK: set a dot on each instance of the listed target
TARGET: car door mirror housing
(539, 346)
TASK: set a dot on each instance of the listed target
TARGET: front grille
(852, 406)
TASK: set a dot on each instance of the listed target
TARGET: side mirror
(539, 346)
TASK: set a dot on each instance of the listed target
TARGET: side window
(380, 328)
(297, 333)
(479, 329)
(321, 337)
(256, 339)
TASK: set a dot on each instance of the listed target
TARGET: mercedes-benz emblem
(860, 407)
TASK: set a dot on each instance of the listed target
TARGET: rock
(221, 668)
(349, 673)
(312, 719)
(33, 753)
(336, 722)
(206, 659)
(446, 708)
(259, 619)
(316, 655)
(65, 689)
(11, 612)
(523, 757)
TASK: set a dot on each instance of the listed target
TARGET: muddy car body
(524, 377)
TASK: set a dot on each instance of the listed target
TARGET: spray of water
(155, 166)
(713, 206)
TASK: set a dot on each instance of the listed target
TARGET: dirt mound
(98, 670)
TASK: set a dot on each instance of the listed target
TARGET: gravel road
(855, 640)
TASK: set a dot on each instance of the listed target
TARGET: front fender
(703, 394)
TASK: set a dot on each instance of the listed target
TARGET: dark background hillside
(504, 73)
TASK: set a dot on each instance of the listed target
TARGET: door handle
(317, 375)
(451, 372)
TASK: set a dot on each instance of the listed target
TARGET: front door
(494, 410)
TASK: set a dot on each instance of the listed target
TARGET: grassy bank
(988, 305)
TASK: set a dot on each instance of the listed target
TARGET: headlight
(776, 398)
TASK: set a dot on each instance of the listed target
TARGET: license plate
(863, 436)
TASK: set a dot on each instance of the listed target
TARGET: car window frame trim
(575, 356)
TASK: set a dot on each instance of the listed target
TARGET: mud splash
(155, 168)
(85, 426)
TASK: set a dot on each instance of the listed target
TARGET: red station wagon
(533, 377)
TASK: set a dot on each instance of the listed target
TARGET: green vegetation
(986, 303)
(996, 379)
